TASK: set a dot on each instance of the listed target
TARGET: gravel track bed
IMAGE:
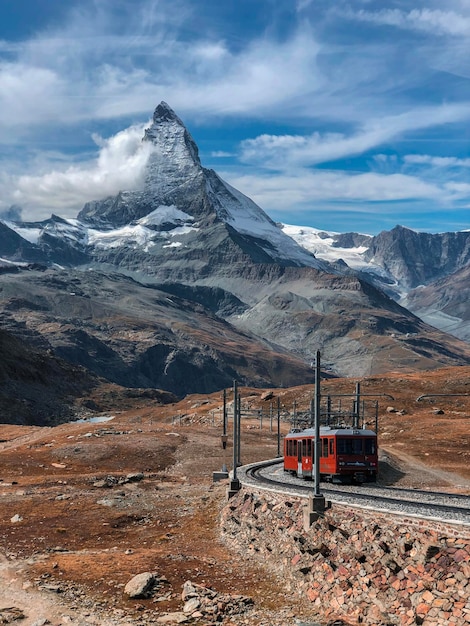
(448, 507)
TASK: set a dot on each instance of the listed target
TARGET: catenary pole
(235, 429)
(317, 450)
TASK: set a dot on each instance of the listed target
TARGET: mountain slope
(444, 303)
(139, 336)
(37, 387)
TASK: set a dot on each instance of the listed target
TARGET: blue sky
(346, 115)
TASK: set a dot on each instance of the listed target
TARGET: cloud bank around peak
(120, 165)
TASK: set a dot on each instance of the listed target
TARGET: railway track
(448, 507)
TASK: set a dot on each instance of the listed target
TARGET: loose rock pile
(373, 568)
(200, 603)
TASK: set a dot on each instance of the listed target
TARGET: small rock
(141, 585)
(191, 605)
(11, 614)
(267, 395)
(135, 477)
(173, 618)
(53, 588)
(109, 502)
(15, 519)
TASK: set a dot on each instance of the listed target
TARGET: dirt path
(18, 594)
(411, 472)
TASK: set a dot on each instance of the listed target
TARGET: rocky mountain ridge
(408, 265)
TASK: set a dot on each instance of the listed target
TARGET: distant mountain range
(426, 273)
(187, 284)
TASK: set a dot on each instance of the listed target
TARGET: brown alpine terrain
(87, 506)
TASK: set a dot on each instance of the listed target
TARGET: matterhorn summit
(175, 156)
(207, 211)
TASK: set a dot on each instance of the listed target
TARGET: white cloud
(303, 4)
(287, 150)
(120, 165)
(428, 20)
(85, 70)
(436, 161)
(308, 188)
(460, 190)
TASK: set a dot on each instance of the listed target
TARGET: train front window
(369, 446)
(349, 446)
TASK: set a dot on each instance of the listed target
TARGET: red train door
(299, 458)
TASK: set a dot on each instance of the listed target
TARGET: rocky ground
(87, 506)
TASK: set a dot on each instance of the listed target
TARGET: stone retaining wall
(368, 567)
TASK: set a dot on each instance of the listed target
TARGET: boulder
(140, 586)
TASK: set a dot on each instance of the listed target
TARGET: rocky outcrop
(415, 258)
(371, 567)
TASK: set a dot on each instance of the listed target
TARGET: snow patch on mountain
(141, 234)
(30, 234)
(165, 215)
(8, 263)
(322, 244)
(247, 218)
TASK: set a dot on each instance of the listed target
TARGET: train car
(347, 454)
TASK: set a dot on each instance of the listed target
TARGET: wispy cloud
(428, 20)
(307, 188)
(281, 151)
(85, 70)
(436, 161)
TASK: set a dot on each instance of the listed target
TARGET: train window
(369, 446)
(349, 446)
(332, 446)
(325, 447)
(304, 447)
(309, 448)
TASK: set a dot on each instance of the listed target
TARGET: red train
(347, 454)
